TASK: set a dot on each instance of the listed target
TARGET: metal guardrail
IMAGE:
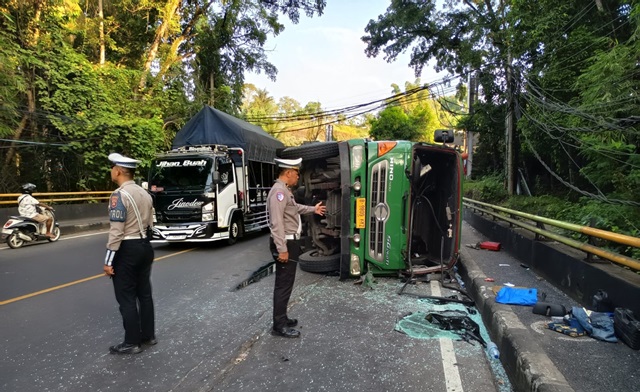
(11, 199)
(539, 229)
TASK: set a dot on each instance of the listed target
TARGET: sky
(322, 59)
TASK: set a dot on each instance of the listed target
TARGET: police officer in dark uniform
(285, 225)
(129, 256)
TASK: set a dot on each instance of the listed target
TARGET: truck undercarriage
(431, 205)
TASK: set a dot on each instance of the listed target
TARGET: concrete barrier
(563, 266)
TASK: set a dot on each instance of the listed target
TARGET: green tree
(260, 108)
(81, 79)
(394, 124)
(461, 37)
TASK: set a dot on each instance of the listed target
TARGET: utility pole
(471, 98)
(328, 132)
(509, 131)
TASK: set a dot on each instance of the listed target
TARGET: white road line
(82, 235)
(451, 375)
(64, 237)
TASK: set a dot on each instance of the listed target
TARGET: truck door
(227, 195)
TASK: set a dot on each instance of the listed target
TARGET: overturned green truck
(393, 207)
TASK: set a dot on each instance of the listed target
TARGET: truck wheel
(312, 261)
(320, 150)
(235, 230)
(14, 241)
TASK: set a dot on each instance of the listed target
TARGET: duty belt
(292, 236)
(134, 237)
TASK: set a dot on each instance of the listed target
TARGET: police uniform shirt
(284, 214)
(122, 216)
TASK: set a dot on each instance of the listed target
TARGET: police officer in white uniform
(129, 256)
(285, 225)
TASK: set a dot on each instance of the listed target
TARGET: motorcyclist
(27, 206)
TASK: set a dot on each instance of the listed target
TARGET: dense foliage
(567, 71)
(81, 79)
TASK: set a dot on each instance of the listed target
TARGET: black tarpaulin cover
(211, 126)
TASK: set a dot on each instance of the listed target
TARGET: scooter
(20, 230)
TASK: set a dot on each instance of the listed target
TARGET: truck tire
(320, 150)
(236, 230)
(312, 261)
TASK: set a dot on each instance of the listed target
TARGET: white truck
(213, 184)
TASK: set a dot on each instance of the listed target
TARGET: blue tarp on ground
(517, 296)
(211, 126)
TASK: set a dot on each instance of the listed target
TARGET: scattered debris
(504, 265)
(524, 266)
(490, 245)
(570, 328)
(366, 280)
(627, 327)
(549, 309)
(453, 324)
(457, 321)
(260, 273)
(489, 280)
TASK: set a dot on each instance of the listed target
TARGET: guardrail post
(539, 237)
(591, 241)
(512, 217)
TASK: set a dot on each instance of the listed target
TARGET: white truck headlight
(208, 212)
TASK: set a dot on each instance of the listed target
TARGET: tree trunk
(102, 46)
(34, 26)
(173, 57)
(211, 90)
(170, 10)
(31, 105)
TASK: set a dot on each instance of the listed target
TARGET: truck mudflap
(435, 209)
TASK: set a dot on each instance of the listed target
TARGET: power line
(573, 187)
(351, 108)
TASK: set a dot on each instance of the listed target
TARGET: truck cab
(192, 188)
(392, 206)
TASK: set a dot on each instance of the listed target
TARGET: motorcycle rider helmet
(28, 188)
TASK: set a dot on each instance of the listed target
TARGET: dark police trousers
(132, 286)
(285, 277)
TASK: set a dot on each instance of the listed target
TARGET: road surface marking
(80, 281)
(449, 363)
(69, 237)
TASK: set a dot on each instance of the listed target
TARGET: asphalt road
(59, 316)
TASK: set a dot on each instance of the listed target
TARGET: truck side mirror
(216, 177)
(443, 136)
